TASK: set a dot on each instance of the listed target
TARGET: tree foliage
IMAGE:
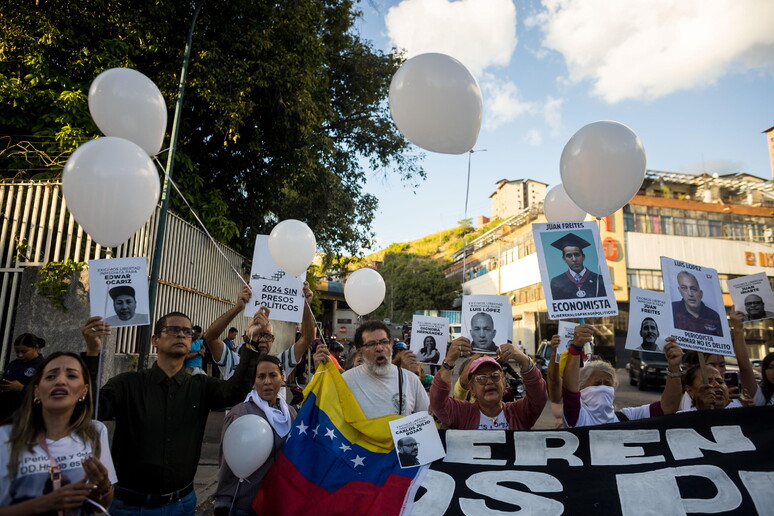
(285, 105)
(414, 283)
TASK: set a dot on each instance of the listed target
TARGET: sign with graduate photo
(697, 311)
(273, 288)
(429, 337)
(487, 321)
(752, 295)
(573, 270)
(118, 291)
(649, 320)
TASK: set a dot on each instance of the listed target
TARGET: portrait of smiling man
(649, 333)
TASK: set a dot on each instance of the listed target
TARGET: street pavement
(206, 479)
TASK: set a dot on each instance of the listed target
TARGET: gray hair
(596, 365)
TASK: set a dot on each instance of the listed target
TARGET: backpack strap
(400, 390)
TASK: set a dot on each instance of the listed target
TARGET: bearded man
(380, 387)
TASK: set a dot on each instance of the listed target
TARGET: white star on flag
(358, 460)
(344, 447)
(330, 433)
(315, 430)
(302, 428)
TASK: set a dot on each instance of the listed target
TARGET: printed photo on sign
(487, 321)
(274, 288)
(416, 440)
(752, 295)
(566, 333)
(429, 337)
(573, 270)
(697, 311)
(649, 320)
(118, 291)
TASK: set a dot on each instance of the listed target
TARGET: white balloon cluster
(110, 184)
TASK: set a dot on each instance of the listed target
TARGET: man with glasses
(755, 309)
(260, 335)
(160, 415)
(690, 313)
(380, 387)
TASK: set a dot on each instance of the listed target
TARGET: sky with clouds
(693, 78)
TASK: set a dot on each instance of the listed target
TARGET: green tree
(414, 283)
(285, 105)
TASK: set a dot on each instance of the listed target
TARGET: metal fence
(37, 229)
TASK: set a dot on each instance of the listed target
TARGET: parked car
(542, 356)
(647, 368)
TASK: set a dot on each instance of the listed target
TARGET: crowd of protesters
(51, 408)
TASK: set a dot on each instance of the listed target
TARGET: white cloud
(645, 49)
(479, 33)
(552, 113)
(533, 138)
(502, 102)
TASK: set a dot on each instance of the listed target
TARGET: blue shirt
(197, 360)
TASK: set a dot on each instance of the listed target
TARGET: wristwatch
(447, 366)
(678, 374)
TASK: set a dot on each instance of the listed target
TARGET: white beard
(378, 370)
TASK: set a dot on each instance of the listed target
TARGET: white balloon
(292, 246)
(111, 187)
(603, 167)
(364, 290)
(125, 103)
(247, 444)
(436, 103)
(558, 207)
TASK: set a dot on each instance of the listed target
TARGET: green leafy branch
(54, 281)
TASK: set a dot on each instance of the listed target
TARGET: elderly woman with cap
(487, 384)
(125, 306)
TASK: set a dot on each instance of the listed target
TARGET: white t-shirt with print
(378, 395)
(493, 423)
(32, 474)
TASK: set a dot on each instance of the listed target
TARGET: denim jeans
(184, 507)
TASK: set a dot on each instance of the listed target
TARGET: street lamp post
(465, 236)
(145, 335)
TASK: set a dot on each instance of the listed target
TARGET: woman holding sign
(487, 384)
(588, 393)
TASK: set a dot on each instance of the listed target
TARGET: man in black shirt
(160, 416)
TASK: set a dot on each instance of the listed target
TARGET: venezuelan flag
(335, 461)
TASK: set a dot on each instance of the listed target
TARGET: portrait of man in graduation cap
(577, 281)
(125, 306)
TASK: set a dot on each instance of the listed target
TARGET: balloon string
(202, 224)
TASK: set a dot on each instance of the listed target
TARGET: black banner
(711, 462)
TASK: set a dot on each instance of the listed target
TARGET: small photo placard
(118, 291)
(416, 440)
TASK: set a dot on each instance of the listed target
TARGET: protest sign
(274, 288)
(118, 291)
(707, 462)
(576, 282)
(697, 311)
(429, 337)
(487, 321)
(416, 440)
(752, 295)
(649, 320)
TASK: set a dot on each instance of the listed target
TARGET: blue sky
(692, 78)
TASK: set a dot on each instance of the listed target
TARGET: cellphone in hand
(731, 378)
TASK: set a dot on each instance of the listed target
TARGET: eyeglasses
(481, 379)
(175, 330)
(374, 343)
(268, 337)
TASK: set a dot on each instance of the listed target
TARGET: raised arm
(459, 346)
(212, 335)
(307, 325)
(746, 373)
(571, 379)
(553, 379)
(673, 390)
(92, 331)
